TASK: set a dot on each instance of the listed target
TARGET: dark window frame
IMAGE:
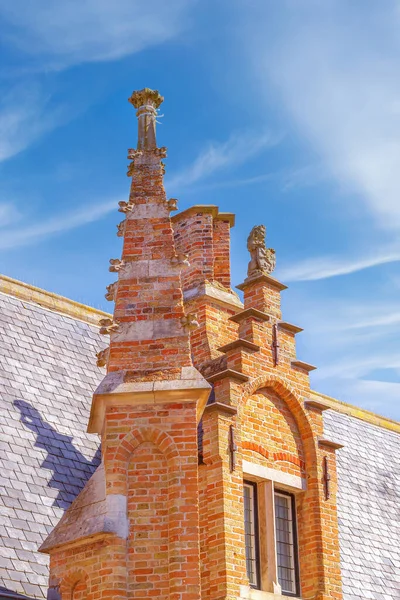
(292, 497)
(257, 585)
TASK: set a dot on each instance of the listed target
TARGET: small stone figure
(111, 291)
(189, 322)
(116, 265)
(124, 207)
(102, 357)
(121, 228)
(172, 204)
(263, 259)
(107, 326)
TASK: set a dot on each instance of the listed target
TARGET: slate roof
(47, 376)
(368, 507)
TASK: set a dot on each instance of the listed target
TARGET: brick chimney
(142, 510)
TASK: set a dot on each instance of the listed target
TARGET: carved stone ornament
(102, 357)
(125, 207)
(107, 326)
(180, 260)
(189, 322)
(116, 265)
(121, 228)
(146, 102)
(131, 169)
(133, 153)
(162, 168)
(161, 152)
(262, 259)
(146, 96)
(111, 291)
(172, 204)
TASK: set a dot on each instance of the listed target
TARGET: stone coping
(299, 364)
(355, 411)
(215, 293)
(323, 442)
(239, 343)
(211, 209)
(289, 327)
(263, 279)
(54, 302)
(254, 313)
(115, 391)
(228, 373)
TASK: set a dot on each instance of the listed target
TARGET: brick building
(221, 473)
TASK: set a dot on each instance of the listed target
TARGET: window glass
(285, 542)
(250, 532)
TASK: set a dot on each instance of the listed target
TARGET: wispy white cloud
(56, 35)
(335, 69)
(354, 343)
(25, 116)
(57, 224)
(317, 268)
(9, 214)
(218, 156)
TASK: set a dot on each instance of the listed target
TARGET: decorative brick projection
(203, 234)
(193, 233)
(221, 245)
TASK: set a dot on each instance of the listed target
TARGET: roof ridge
(358, 413)
(50, 300)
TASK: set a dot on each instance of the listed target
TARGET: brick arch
(286, 457)
(293, 402)
(117, 459)
(138, 436)
(70, 581)
(256, 448)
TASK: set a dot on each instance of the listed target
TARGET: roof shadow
(70, 468)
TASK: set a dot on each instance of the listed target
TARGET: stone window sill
(248, 593)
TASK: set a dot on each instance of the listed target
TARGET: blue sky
(286, 113)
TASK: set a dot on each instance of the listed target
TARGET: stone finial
(116, 265)
(146, 102)
(111, 291)
(172, 204)
(102, 357)
(125, 207)
(146, 96)
(107, 326)
(189, 322)
(262, 259)
(121, 228)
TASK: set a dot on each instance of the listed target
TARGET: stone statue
(263, 259)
